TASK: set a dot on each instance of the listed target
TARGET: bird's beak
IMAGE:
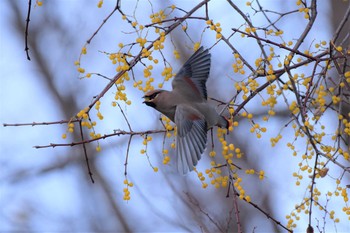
(149, 102)
(146, 99)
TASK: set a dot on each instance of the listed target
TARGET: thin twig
(194, 202)
(173, 19)
(116, 133)
(276, 44)
(227, 41)
(85, 152)
(127, 156)
(125, 118)
(41, 123)
(235, 204)
(103, 22)
(27, 29)
(265, 213)
(245, 17)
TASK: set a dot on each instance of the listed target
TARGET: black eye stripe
(154, 95)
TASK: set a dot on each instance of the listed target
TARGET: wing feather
(192, 77)
(182, 160)
(191, 137)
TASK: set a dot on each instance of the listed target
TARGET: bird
(187, 106)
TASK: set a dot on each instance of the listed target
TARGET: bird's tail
(224, 122)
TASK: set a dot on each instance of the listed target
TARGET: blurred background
(50, 189)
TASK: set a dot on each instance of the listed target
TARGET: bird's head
(152, 98)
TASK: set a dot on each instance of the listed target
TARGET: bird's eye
(154, 95)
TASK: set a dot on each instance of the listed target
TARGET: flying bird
(186, 105)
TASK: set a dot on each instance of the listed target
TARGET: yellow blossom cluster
(39, 3)
(201, 177)
(228, 150)
(146, 140)
(250, 30)
(241, 86)
(169, 128)
(253, 84)
(100, 3)
(158, 17)
(304, 10)
(71, 127)
(271, 101)
(344, 194)
(94, 135)
(97, 107)
(120, 58)
(146, 53)
(321, 44)
(299, 177)
(70, 130)
(295, 214)
(345, 153)
(141, 41)
(166, 160)
(176, 54)
(294, 108)
(238, 64)
(347, 76)
(83, 113)
(126, 191)
(79, 69)
(159, 44)
(167, 73)
(214, 174)
(215, 27)
(290, 223)
(147, 72)
(270, 76)
(252, 172)
(240, 189)
(83, 50)
(87, 123)
(170, 133)
(196, 46)
(257, 130)
(259, 64)
(121, 89)
(77, 63)
(275, 140)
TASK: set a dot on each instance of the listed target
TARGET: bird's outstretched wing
(191, 137)
(191, 79)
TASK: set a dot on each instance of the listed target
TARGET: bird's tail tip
(225, 123)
